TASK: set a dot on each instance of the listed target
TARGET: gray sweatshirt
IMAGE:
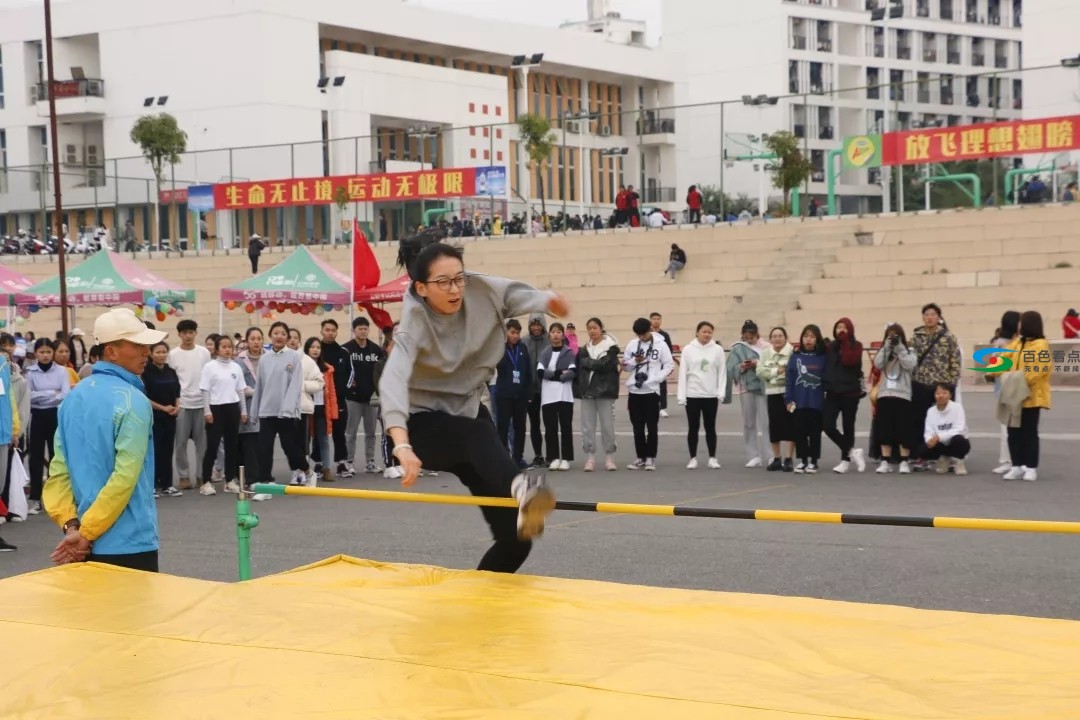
(278, 385)
(896, 365)
(441, 362)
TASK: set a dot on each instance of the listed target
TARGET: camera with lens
(894, 340)
(639, 379)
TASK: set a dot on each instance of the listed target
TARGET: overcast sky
(550, 12)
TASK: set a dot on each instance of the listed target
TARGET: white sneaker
(811, 469)
(692, 465)
(1030, 475)
(217, 475)
(311, 479)
(1016, 472)
(638, 464)
(884, 468)
(800, 469)
(842, 467)
(207, 488)
(535, 502)
(232, 487)
(1003, 468)
(663, 413)
(650, 464)
(755, 462)
(960, 468)
(554, 465)
(714, 464)
(564, 465)
(35, 508)
(261, 497)
(393, 472)
(943, 465)
(858, 456)
(905, 467)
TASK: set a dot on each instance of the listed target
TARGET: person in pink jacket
(571, 338)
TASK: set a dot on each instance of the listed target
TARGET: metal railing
(86, 87)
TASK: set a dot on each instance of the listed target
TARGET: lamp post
(423, 132)
(524, 63)
(763, 203)
(883, 15)
(61, 249)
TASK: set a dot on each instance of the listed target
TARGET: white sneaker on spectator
(638, 464)
(943, 465)
(811, 469)
(590, 464)
(905, 467)
(393, 472)
(800, 469)
(564, 465)
(1016, 472)
(960, 468)
(207, 488)
(232, 487)
(1030, 475)
(714, 464)
(311, 479)
(692, 465)
(35, 508)
(650, 463)
(753, 463)
(884, 468)
(1003, 468)
(842, 467)
(858, 456)
(663, 413)
(554, 466)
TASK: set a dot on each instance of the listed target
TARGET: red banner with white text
(985, 140)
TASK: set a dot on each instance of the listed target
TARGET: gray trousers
(603, 411)
(370, 415)
(190, 425)
(755, 418)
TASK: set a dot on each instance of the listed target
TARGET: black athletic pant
(958, 448)
(843, 408)
(146, 561)
(226, 427)
(341, 448)
(292, 443)
(249, 456)
(470, 449)
(559, 421)
(644, 416)
(164, 435)
(535, 431)
(701, 411)
(663, 395)
(42, 431)
(1024, 440)
(512, 411)
(808, 435)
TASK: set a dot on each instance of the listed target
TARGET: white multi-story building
(823, 59)
(402, 85)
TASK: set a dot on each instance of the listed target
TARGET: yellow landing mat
(349, 638)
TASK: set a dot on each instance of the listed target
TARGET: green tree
(790, 168)
(713, 200)
(539, 142)
(162, 142)
(947, 195)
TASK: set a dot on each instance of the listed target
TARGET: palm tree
(539, 142)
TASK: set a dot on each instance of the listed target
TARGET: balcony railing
(953, 58)
(86, 87)
(826, 132)
(930, 55)
(903, 53)
(824, 45)
(1001, 61)
(874, 91)
(978, 59)
(656, 126)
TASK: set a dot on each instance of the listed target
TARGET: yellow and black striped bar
(796, 516)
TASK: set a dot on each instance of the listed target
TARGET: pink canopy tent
(393, 291)
(12, 282)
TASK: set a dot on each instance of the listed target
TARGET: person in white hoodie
(648, 362)
(702, 387)
(945, 432)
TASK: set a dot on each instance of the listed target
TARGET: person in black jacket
(843, 388)
(597, 385)
(514, 382)
(338, 357)
(359, 387)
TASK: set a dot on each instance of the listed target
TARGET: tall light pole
(61, 249)
(883, 15)
(524, 63)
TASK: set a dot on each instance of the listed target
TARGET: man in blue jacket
(105, 501)
(513, 391)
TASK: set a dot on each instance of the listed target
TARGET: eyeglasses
(444, 283)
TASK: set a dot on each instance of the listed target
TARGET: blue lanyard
(515, 357)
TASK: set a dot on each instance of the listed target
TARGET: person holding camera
(894, 410)
(648, 361)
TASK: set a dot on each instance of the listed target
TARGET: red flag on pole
(380, 317)
(365, 268)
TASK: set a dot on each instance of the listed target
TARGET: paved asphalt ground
(989, 572)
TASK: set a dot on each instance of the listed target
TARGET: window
(3, 161)
(44, 144)
(1, 81)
